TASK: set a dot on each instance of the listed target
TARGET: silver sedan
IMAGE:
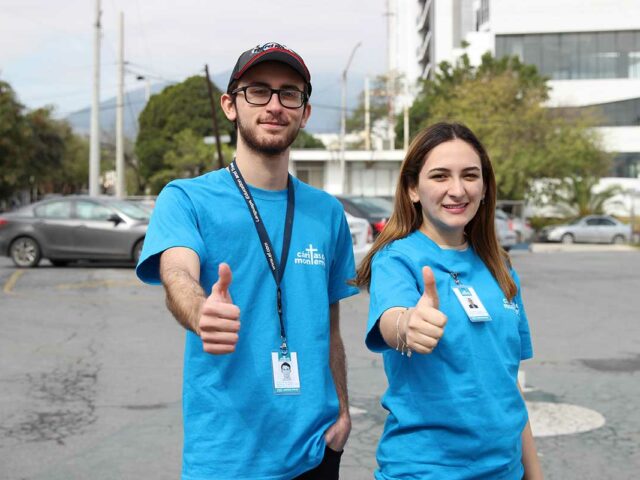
(589, 229)
(71, 228)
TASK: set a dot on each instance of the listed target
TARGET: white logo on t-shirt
(510, 306)
(309, 256)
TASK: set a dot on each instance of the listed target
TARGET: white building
(589, 50)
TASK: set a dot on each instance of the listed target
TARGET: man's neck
(266, 172)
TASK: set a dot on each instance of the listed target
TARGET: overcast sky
(46, 46)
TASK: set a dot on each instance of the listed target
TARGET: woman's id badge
(471, 304)
(286, 380)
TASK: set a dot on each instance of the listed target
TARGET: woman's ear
(413, 194)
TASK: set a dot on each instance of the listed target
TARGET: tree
(184, 106)
(189, 157)
(502, 101)
(306, 140)
(14, 132)
(378, 105)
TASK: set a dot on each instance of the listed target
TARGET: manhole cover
(550, 419)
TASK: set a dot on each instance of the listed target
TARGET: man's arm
(179, 272)
(213, 318)
(337, 435)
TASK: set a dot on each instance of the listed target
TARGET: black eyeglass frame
(305, 97)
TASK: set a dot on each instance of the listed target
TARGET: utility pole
(94, 152)
(406, 115)
(391, 81)
(367, 115)
(343, 118)
(216, 132)
(120, 168)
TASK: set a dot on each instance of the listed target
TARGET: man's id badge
(471, 304)
(286, 380)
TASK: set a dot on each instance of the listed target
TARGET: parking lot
(91, 371)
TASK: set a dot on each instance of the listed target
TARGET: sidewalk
(579, 247)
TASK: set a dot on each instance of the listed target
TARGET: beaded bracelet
(401, 345)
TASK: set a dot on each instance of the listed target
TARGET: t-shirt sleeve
(342, 265)
(526, 347)
(393, 284)
(174, 223)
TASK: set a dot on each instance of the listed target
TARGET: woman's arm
(532, 468)
(418, 328)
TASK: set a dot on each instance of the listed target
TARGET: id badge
(286, 380)
(471, 304)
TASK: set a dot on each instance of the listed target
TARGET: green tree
(189, 157)
(14, 132)
(306, 140)
(58, 158)
(502, 101)
(378, 105)
(177, 108)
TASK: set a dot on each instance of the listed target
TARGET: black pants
(329, 469)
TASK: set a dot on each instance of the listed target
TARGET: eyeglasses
(261, 95)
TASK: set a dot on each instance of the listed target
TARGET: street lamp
(343, 119)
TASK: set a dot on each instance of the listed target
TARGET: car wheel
(618, 240)
(59, 263)
(567, 238)
(25, 252)
(137, 250)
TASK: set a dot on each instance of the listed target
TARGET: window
(588, 55)
(311, 173)
(58, 209)
(92, 211)
(625, 113)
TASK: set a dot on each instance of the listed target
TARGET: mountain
(326, 98)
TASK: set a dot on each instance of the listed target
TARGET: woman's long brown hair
(407, 216)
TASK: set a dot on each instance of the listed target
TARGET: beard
(270, 146)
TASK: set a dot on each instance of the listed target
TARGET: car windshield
(130, 210)
(373, 206)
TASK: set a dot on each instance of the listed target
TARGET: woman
(455, 409)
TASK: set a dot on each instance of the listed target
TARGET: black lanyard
(277, 268)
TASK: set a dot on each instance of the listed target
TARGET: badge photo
(286, 379)
(471, 304)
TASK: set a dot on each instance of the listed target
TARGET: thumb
(220, 289)
(430, 294)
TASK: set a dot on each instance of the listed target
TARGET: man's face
(286, 371)
(268, 129)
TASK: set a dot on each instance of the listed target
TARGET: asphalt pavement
(91, 361)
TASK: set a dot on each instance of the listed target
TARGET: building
(589, 50)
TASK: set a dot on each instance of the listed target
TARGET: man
(254, 264)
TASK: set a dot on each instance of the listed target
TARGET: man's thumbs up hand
(425, 325)
(220, 289)
(218, 325)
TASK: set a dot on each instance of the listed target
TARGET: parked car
(522, 228)
(589, 229)
(375, 210)
(361, 236)
(64, 229)
(504, 228)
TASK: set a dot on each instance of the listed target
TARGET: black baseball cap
(270, 52)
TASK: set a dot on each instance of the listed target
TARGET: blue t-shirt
(235, 426)
(457, 412)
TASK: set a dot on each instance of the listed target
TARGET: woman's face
(450, 189)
